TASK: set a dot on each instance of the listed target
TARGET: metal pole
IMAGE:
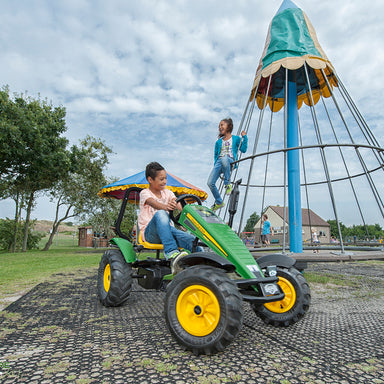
(293, 159)
(254, 150)
(285, 161)
(323, 158)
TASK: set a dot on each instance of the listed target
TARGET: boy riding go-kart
(204, 301)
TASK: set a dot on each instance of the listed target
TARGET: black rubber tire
(117, 273)
(291, 309)
(227, 309)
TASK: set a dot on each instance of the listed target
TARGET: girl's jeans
(222, 166)
(159, 230)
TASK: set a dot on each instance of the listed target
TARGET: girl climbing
(226, 150)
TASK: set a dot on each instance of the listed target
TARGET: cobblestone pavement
(60, 333)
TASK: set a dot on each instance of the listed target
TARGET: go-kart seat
(145, 244)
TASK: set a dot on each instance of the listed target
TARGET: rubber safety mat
(60, 333)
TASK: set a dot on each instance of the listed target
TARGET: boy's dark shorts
(265, 238)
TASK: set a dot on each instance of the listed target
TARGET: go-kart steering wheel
(182, 199)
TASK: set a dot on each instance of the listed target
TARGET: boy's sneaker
(215, 206)
(228, 189)
(175, 258)
(173, 255)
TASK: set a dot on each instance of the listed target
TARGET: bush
(7, 235)
(34, 238)
(7, 228)
(69, 233)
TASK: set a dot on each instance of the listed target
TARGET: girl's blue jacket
(236, 140)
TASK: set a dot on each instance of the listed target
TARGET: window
(277, 230)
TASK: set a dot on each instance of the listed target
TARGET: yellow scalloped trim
(179, 190)
(290, 63)
(104, 191)
(275, 104)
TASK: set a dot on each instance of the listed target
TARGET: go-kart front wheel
(295, 303)
(203, 309)
(114, 280)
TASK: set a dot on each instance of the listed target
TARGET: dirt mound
(46, 226)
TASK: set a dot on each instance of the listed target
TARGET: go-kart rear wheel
(203, 309)
(114, 281)
(295, 303)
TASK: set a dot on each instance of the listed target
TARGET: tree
(335, 230)
(10, 155)
(129, 219)
(33, 154)
(363, 232)
(104, 216)
(19, 198)
(251, 222)
(76, 193)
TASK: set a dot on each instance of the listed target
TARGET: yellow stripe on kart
(206, 235)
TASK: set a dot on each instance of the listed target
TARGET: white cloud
(153, 78)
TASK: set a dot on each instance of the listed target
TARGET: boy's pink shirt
(146, 211)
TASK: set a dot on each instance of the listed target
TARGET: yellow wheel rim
(198, 310)
(107, 277)
(289, 300)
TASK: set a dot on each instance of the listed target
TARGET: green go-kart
(204, 301)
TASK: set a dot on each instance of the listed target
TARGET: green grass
(60, 241)
(332, 279)
(21, 271)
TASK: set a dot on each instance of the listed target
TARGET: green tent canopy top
(292, 42)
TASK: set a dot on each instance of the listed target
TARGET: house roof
(308, 217)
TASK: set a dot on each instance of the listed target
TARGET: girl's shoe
(215, 206)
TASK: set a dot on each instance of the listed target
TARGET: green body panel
(218, 236)
(126, 249)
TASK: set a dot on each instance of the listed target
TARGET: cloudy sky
(153, 78)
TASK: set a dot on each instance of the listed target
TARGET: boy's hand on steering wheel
(171, 205)
(181, 202)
